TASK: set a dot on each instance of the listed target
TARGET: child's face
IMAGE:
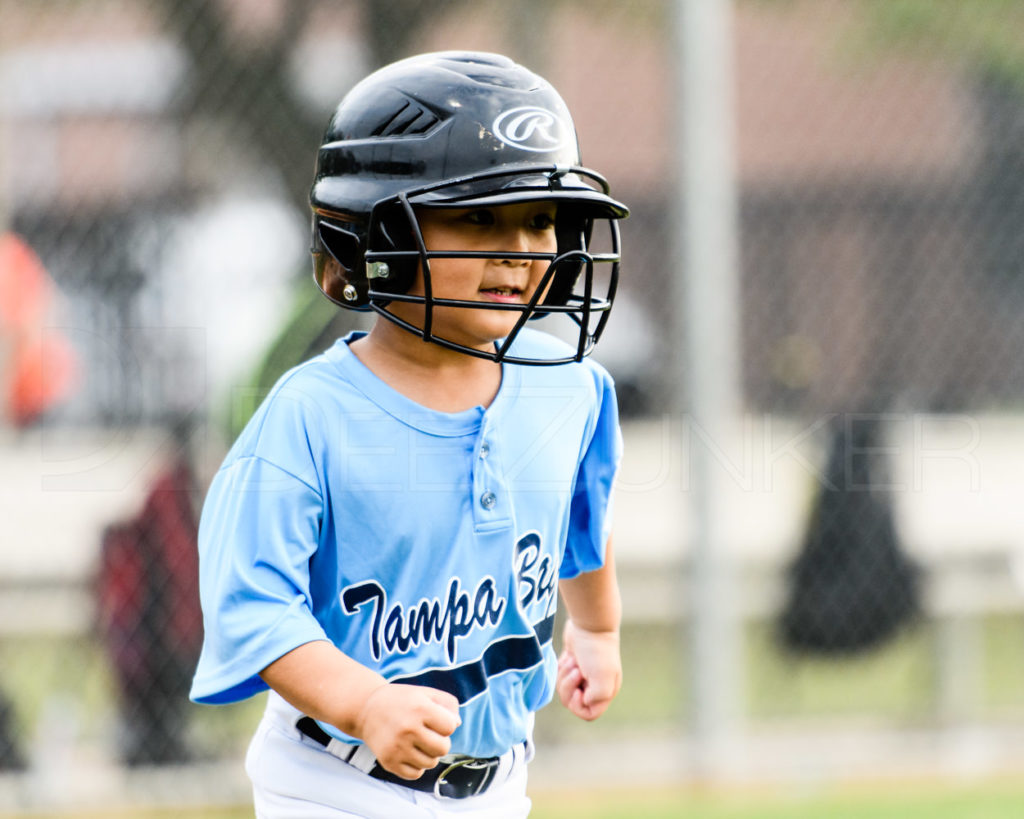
(522, 228)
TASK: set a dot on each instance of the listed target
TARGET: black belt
(454, 778)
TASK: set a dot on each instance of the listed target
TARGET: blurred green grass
(996, 799)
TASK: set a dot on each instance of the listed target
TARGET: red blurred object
(150, 618)
(25, 287)
(43, 374)
(38, 365)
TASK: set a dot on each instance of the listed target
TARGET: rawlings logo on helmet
(530, 129)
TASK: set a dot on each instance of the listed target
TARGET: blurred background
(817, 346)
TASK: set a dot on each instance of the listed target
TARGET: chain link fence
(155, 157)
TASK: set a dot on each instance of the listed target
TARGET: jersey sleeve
(259, 528)
(591, 510)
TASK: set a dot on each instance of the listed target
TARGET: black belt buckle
(465, 777)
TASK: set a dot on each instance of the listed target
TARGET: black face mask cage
(570, 271)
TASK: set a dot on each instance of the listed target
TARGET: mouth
(502, 294)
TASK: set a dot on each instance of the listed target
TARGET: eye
(542, 221)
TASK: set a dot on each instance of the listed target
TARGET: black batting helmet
(456, 129)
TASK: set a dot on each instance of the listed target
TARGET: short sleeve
(591, 509)
(259, 528)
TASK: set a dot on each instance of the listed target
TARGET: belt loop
(361, 758)
(343, 750)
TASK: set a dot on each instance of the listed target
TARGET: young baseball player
(386, 541)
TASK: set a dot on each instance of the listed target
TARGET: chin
(479, 331)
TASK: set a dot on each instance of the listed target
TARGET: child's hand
(589, 670)
(408, 727)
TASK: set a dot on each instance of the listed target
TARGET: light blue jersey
(425, 545)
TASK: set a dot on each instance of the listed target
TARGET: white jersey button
(485, 449)
(488, 500)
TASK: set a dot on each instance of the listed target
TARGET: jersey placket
(491, 507)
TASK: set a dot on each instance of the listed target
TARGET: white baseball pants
(295, 778)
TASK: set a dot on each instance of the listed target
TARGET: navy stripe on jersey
(469, 680)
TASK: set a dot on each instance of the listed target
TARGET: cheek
(540, 266)
(449, 277)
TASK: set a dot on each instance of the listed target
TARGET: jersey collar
(407, 411)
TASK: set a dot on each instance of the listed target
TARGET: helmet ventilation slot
(409, 119)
